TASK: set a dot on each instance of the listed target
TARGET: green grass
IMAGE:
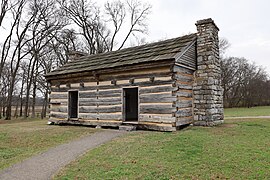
(238, 149)
(241, 112)
(20, 139)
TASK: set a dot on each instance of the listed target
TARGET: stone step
(127, 128)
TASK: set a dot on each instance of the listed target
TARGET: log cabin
(161, 86)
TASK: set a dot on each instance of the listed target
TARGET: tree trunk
(16, 110)
(44, 106)
(21, 97)
(1, 106)
(33, 113)
(9, 98)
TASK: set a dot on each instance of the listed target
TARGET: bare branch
(138, 15)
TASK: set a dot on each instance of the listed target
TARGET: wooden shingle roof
(162, 50)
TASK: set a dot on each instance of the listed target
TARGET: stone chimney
(207, 89)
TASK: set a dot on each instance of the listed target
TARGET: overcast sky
(245, 23)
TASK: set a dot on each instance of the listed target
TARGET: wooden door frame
(124, 104)
(73, 90)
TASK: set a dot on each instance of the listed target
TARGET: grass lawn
(20, 139)
(254, 111)
(238, 149)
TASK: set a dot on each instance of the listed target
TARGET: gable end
(187, 58)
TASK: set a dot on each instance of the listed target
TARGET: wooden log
(185, 112)
(156, 109)
(88, 115)
(179, 98)
(157, 72)
(184, 86)
(157, 89)
(110, 116)
(184, 93)
(180, 121)
(99, 103)
(65, 93)
(156, 118)
(58, 115)
(110, 95)
(182, 78)
(70, 78)
(90, 122)
(58, 101)
(109, 91)
(92, 95)
(101, 99)
(88, 103)
(101, 116)
(59, 109)
(58, 96)
(97, 94)
(178, 82)
(92, 109)
(112, 102)
(183, 104)
(117, 86)
(157, 98)
(156, 126)
(177, 68)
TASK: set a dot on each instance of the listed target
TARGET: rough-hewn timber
(101, 100)
(184, 103)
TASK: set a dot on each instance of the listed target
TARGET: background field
(241, 112)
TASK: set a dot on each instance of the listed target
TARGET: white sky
(245, 23)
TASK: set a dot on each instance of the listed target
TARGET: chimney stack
(207, 89)
(74, 55)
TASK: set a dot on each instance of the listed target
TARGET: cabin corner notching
(159, 86)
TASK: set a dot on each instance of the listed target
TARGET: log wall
(100, 98)
(184, 104)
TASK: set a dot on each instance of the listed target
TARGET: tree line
(38, 35)
(245, 84)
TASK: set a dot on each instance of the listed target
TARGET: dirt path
(44, 165)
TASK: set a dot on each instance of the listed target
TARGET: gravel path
(44, 165)
(249, 117)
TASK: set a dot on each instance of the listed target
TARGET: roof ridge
(147, 44)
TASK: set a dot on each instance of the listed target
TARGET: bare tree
(39, 40)
(94, 26)
(223, 46)
(16, 12)
(243, 83)
(138, 13)
(116, 12)
(21, 28)
(43, 30)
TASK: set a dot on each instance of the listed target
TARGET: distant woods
(245, 84)
(37, 35)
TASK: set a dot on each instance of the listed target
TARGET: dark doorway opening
(73, 104)
(130, 108)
